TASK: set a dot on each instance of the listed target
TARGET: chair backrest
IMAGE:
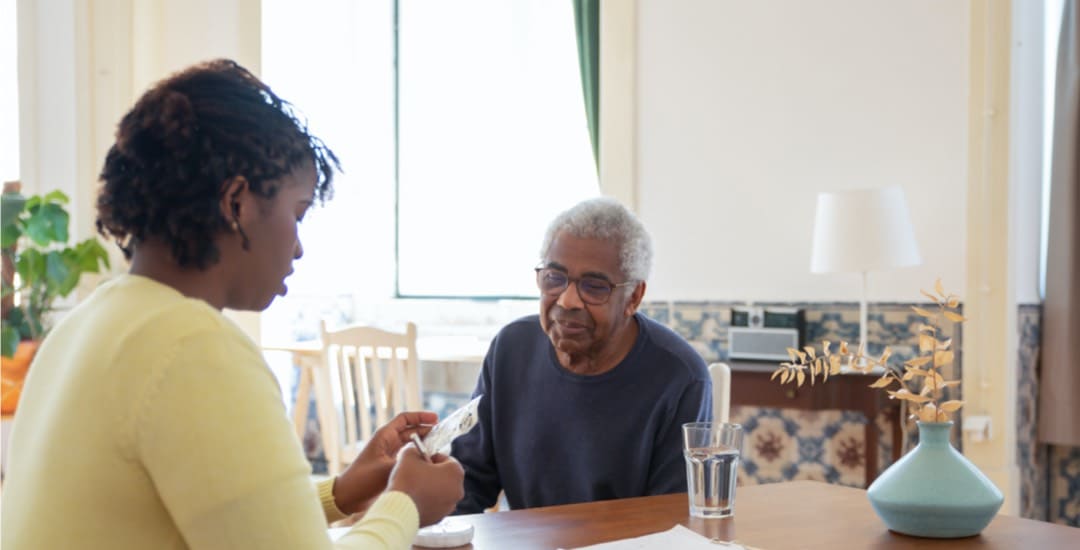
(721, 391)
(373, 374)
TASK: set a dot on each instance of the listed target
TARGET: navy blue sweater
(548, 436)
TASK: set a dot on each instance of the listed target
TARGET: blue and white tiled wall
(1049, 474)
(827, 445)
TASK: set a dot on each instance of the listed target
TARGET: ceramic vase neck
(934, 434)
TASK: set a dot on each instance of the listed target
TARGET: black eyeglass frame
(592, 302)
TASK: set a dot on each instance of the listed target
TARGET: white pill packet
(450, 428)
(448, 533)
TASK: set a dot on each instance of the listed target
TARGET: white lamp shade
(863, 230)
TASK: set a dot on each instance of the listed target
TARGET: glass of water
(712, 459)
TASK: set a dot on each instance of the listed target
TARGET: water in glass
(710, 478)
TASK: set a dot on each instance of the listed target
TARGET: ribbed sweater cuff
(397, 505)
(326, 498)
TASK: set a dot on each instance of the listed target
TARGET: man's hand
(367, 476)
(435, 487)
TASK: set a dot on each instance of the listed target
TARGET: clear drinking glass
(712, 460)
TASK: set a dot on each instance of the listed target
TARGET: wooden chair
(367, 376)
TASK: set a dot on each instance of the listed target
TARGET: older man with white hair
(584, 401)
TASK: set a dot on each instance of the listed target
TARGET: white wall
(747, 109)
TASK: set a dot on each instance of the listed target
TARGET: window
(493, 141)
(9, 92)
(1051, 33)
(485, 121)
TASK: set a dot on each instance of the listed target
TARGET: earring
(235, 225)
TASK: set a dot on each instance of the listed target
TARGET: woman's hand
(366, 478)
(435, 487)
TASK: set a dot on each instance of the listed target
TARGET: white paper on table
(338, 532)
(677, 537)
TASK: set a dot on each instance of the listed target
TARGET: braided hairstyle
(183, 140)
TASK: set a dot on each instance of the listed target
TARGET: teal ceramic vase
(933, 491)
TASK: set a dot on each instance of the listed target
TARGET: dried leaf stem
(919, 382)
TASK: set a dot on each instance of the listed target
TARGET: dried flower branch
(919, 382)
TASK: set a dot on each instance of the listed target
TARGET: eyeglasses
(592, 290)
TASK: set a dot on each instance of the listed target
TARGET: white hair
(606, 219)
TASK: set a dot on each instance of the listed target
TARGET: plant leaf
(882, 382)
(912, 372)
(954, 302)
(939, 288)
(776, 373)
(10, 339)
(792, 353)
(942, 358)
(923, 312)
(952, 406)
(784, 377)
(802, 378)
(931, 296)
(810, 351)
(927, 343)
(935, 380)
(825, 344)
(928, 413)
(918, 361)
(908, 396)
(954, 317)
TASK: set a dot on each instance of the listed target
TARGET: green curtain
(587, 25)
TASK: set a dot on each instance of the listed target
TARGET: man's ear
(635, 299)
(234, 194)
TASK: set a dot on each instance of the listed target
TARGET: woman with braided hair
(149, 420)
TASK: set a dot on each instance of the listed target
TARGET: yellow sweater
(149, 420)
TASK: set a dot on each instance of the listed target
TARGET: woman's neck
(154, 260)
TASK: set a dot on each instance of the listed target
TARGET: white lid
(448, 533)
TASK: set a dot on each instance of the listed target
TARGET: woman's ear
(234, 195)
(237, 207)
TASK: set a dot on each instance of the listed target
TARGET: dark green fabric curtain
(587, 24)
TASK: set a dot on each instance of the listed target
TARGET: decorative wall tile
(657, 311)
(787, 444)
(1031, 456)
(1065, 485)
(704, 325)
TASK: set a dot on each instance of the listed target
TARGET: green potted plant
(38, 267)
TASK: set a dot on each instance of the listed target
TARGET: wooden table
(795, 515)
(751, 386)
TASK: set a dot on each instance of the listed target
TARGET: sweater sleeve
(667, 472)
(211, 432)
(325, 488)
(476, 453)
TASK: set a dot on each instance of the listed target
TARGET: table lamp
(861, 231)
